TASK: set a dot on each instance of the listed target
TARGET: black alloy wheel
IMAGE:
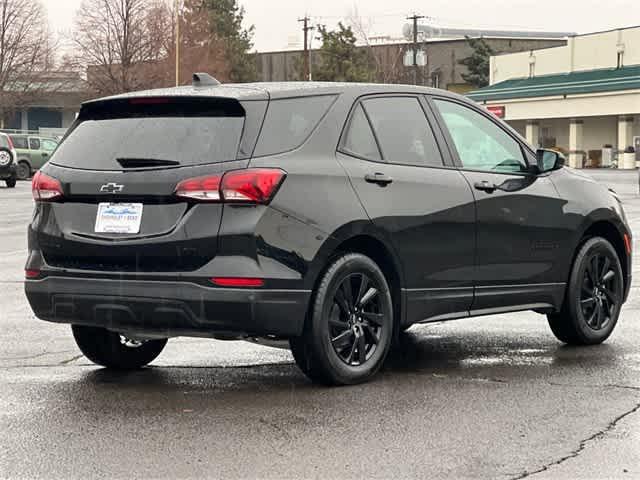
(593, 297)
(601, 292)
(350, 324)
(355, 320)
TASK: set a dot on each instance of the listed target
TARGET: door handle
(379, 178)
(485, 186)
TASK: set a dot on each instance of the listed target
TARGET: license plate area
(122, 218)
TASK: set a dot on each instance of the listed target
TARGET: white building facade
(582, 98)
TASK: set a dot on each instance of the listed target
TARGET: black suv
(333, 216)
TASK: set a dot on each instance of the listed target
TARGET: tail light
(237, 282)
(31, 274)
(44, 188)
(253, 185)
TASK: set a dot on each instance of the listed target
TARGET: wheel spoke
(347, 291)
(352, 352)
(587, 290)
(342, 302)
(362, 349)
(613, 298)
(371, 334)
(587, 301)
(605, 268)
(364, 285)
(343, 340)
(367, 297)
(598, 319)
(375, 318)
(592, 271)
(608, 276)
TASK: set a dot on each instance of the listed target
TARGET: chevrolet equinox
(331, 216)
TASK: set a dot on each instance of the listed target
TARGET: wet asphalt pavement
(494, 397)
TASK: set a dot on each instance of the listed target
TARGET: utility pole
(307, 51)
(415, 19)
(177, 9)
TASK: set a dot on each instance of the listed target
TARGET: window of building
(403, 131)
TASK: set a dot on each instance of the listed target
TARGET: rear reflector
(627, 243)
(31, 273)
(237, 282)
(44, 188)
(253, 185)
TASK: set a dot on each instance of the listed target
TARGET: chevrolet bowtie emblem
(111, 188)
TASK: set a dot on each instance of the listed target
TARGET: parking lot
(492, 397)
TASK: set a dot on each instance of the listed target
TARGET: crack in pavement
(583, 444)
(31, 357)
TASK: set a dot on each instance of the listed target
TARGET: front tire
(111, 350)
(594, 296)
(350, 324)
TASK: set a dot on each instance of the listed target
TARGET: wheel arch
(608, 230)
(370, 244)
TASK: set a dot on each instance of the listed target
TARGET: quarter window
(480, 143)
(403, 131)
(290, 122)
(359, 139)
(20, 142)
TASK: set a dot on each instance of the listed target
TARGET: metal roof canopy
(589, 81)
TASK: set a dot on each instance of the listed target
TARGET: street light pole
(177, 7)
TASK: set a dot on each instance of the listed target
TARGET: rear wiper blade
(145, 162)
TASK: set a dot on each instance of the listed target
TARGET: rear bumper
(8, 171)
(168, 309)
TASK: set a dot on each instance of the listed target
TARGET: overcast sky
(276, 20)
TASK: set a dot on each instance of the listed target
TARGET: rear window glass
(99, 144)
(4, 142)
(289, 123)
(20, 142)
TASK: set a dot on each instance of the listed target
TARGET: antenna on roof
(204, 80)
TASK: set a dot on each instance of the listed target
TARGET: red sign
(497, 110)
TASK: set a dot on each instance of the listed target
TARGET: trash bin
(607, 156)
(628, 160)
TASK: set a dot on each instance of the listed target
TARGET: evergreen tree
(340, 59)
(477, 63)
(226, 18)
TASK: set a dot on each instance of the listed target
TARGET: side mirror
(549, 160)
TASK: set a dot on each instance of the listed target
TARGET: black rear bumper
(168, 309)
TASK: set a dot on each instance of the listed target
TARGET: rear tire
(11, 182)
(108, 349)
(23, 170)
(594, 296)
(349, 328)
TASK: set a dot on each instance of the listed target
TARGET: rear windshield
(148, 134)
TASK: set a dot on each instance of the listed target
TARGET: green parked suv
(33, 152)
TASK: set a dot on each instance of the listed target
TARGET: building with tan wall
(582, 98)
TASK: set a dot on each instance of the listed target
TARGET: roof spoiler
(204, 80)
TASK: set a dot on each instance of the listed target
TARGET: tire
(591, 309)
(107, 349)
(23, 170)
(346, 338)
(11, 182)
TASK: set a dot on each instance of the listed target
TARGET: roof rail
(204, 80)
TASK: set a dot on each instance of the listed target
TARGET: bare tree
(118, 42)
(388, 59)
(25, 53)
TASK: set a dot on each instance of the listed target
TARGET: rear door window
(20, 142)
(289, 123)
(184, 136)
(34, 143)
(359, 139)
(403, 131)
